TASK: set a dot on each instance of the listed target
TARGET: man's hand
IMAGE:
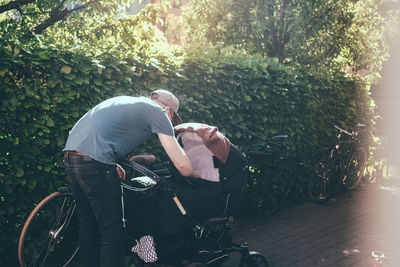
(121, 172)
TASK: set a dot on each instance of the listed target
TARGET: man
(103, 135)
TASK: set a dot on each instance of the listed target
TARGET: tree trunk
(281, 37)
(270, 31)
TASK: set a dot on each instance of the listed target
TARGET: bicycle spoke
(326, 179)
(38, 256)
(50, 236)
(355, 168)
(275, 185)
(48, 250)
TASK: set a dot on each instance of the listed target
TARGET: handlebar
(274, 139)
(342, 130)
(277, 137)
(245, 130)
(149, 180)
(356, 127)
(140, 168)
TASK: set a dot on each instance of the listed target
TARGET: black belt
(78, 154)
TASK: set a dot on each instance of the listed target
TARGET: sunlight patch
(393, 190)
(351, 251)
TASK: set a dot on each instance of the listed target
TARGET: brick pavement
(342, 232)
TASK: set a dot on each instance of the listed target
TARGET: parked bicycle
(271, 172)
(345, 164)
(50, 234)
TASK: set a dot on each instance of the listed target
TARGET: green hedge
(44, 91)
(270, 98)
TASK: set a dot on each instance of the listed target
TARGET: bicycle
(344, 165)
(271, 172)
(50, 234)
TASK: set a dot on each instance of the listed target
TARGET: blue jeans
(97, 192)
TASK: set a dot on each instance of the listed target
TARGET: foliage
(123, 36)
(29, 17)
(94, 27)
(49, 79)
(321, 34)
(270, 98)
(44, 91)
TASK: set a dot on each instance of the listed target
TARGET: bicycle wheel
(355, 168)
(326, 179)
(275, 186)
(254, 259)
(50, 234)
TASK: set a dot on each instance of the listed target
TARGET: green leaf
(97, 81)
(20, 172)
(49, 122)
(247, 98)
(32, 184)
(66, 69)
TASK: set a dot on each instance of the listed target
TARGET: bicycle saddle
(144, 158)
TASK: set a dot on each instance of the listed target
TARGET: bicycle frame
(269, 148)
(353, 144)
(343, 165)
(204, 231)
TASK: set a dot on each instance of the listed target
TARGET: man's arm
(176, 154)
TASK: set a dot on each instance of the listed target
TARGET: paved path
(342, 232)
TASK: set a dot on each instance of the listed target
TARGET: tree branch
(60, 15)
(84, 6)
(14, 5)
(334, 48)
(57, 15)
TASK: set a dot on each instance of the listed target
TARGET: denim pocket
(112, 181)
(82, 170)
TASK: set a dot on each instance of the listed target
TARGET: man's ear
(168, 110)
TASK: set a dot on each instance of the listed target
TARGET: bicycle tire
(275, 185)
(326, 180)
(50, 234)
(356, 168)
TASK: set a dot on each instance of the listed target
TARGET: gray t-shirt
(116, 126)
